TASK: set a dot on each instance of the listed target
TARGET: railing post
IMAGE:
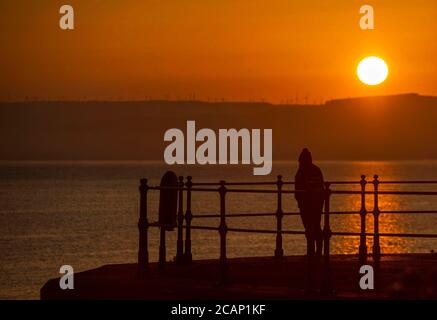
(223, 229)
(279, 251)
(188, 257)
(143, 226)
(327, 281)
(180, 241)
(162, 248)
(376, 212)
(363, 212)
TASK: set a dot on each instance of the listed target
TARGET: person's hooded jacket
(309, 178)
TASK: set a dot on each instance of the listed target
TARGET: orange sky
(236, 50)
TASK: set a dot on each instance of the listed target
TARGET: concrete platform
(407, 276)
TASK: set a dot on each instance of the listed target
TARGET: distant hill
(373, 128)
(395, 100)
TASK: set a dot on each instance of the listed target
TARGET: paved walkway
(401, 276)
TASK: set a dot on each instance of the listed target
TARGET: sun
(372, 71)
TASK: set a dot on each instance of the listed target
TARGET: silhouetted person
(309, 178)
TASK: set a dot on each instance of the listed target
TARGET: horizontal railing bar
(251, 230)
(397, 235)
(425, 193)
(400, 235)
(331, 182)
(407, 211)
(418, 193)
(273, 191)
(293, 213)
(261, 191)
(409, 235)
(292, 232)
(256, 214)
(202, 189)
(184, 189)
(243, 183)
(342, 212)
(269, 214)
(407, 182)
(158, 225)
(260, 183)
(233, 215)
(334, 233)
(235, 183)
(264, 231)
(394, 235)
(344, 182)
(202, 228)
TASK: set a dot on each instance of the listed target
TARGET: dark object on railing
(279, 252)
(363, 212)
(188, 257)
(143, 226)
(180, 241)
(168, 201)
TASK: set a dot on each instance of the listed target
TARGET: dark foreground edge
(406, 276)
(272, 309)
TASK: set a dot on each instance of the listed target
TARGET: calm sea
(85, 215)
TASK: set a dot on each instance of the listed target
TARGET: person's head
(305, 158)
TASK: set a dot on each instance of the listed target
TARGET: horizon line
(217, 101)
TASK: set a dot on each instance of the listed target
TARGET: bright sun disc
(372, 71)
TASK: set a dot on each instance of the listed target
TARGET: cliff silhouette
(372, 128)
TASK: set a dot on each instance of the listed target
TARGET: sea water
(85, 214)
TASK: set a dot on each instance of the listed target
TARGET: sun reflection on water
(388, 223)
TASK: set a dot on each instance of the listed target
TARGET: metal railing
(183, 246)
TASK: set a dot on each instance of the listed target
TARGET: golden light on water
(388, 223)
